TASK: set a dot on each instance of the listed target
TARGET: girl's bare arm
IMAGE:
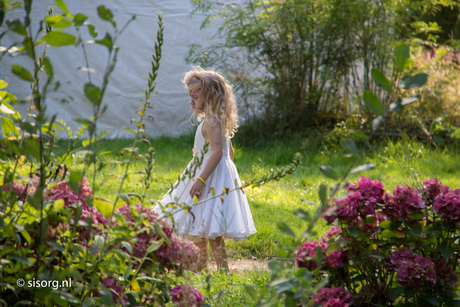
(232, 154)
(213, 134)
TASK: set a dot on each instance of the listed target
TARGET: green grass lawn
(277, 201)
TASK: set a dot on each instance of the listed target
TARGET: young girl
(217, 219)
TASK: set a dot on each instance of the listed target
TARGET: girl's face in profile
(197, 101)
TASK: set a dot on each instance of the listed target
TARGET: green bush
(294, 62)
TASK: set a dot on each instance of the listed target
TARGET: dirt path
(240, 265)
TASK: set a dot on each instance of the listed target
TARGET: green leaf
(22, 73)
(431, 299)
(359, 134)
(381, 81)
(79, 19)
(446, 251)
(329, 172)
(3, 84)
(354, 232)
(124, 197)
(350, 145)
(289, 300)
(57, 39)
(285, 228)
(409, 292)
(417, 216)
(362, 168)
(319, 255)
(106, 296)
(154, 246)
(22, 260)
(373, 103)
(395, 225)
(103, 205)
(74, 180)
(414, 230)
(377, 255)
(58, 21)
(405, 82)
(419, 80)
(61, 4)
(432, 231)
(395, 293)
(92, 30)
(251, 291)
(388, 234)
(402, 55)
(304, 215)
(107, 41)
(48, 68)
(104, 13)
(56, 246)
(385, 224)
(93, 93)
(323, 194)
(8, 127)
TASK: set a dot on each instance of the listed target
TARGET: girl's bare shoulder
(211, 126)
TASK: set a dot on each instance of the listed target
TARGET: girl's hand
(197, 188)
(193, 152)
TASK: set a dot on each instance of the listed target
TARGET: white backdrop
(170, 110)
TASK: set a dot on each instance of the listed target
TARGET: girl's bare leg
(203, 255)
(218, 250)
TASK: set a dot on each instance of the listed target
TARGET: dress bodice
(200, 141)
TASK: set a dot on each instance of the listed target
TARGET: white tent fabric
(170, 110)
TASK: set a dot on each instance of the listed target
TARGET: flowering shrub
(186, 296)
(332, 297)
(388, 249)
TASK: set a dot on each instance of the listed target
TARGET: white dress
(228, 216)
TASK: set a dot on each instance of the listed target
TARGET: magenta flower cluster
(308, 251)
(411, 270)
(186, 296)
(332, 297)
(372, 191)
(363, 196)
(405, 201)
(20, 188)
(180, 252)
(447, 206)
(305, 256)
(432, 188)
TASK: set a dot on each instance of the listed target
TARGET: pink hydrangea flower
(346, 209)
(411, 270)
(308, 251)
(337, 258)
(333, 231)
(372, 191)
(181, 253)
(446, 276)
(335, 302)
(447, 206)
(432, 188)
(405, 201)
(334, 297)
(186, 296)
(19, 188)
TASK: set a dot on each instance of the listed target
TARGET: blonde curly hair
(219, 99)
